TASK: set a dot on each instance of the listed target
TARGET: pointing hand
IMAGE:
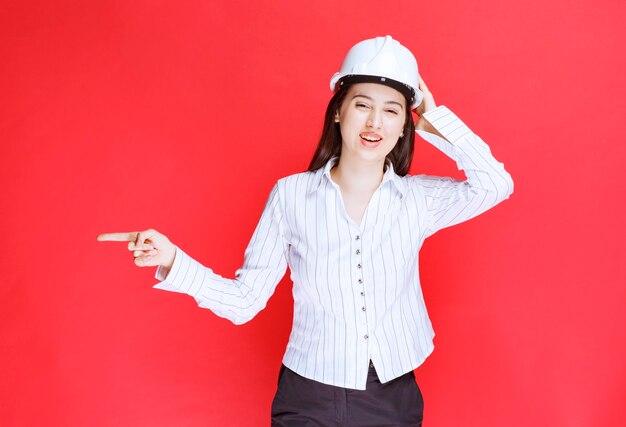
(149, 247)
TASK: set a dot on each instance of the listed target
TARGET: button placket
(358, 258)
(358, 254)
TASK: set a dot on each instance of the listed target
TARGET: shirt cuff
(171, 280)
(447, 124)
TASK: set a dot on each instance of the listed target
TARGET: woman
(350, 229)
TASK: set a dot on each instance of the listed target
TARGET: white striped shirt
(356, 288)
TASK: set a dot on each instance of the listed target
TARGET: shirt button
(358, 252)
(357, 237)
(358, 266)
(360, 280)
(366, 336)
(363, 308)
(362, 293)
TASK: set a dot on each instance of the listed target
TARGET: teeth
(369, 138)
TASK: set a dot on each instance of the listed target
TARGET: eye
(394, 112)
(362, 105)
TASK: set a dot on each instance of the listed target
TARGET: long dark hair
(330, 141)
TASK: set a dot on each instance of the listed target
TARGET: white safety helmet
(381, 60)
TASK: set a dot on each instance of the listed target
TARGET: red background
(180, 115)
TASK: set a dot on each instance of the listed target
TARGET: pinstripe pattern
(356, 288)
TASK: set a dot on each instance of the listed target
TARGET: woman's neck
(357, 176)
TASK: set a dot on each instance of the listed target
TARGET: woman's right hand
(150, 248)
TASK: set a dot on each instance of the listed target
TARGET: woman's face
(371, 119)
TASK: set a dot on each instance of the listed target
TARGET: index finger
(117, 237)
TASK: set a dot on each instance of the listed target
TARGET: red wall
(180, 115)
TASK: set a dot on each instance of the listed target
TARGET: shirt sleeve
(450, 201)
(241, 298)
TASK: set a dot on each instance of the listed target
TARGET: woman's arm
(241, 298)
(452, 201)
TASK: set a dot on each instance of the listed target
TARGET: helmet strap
(406, 90)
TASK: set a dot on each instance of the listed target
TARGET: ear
(336, 116)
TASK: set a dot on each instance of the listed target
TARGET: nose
(374, 120)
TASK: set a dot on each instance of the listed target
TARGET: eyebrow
(372, 99)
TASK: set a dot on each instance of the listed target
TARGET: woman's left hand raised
(427, 104)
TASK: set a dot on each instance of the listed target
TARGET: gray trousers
(302, 402)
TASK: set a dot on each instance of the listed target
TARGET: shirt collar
(389, 175)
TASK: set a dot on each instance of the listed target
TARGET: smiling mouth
(370, 140)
